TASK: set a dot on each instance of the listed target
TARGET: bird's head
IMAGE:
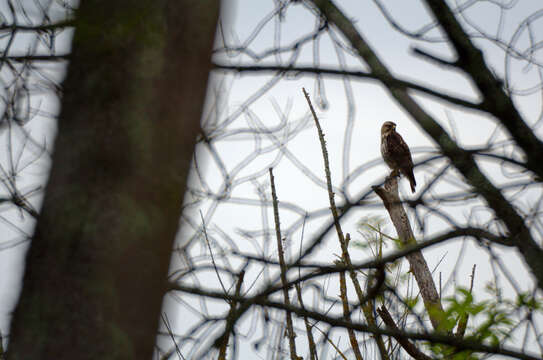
(387, 128)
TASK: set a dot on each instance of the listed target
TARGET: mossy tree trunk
(97, 265)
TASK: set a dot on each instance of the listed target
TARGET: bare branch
(347, 315)
(460, 344)
(290, 328)
(354, 74)
(230, 319)
(308, 327)
(463, 322)
(418, 266)
(471, 60)
(407, 345)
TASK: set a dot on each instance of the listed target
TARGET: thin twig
(211, 252)
(308, 327)
(170, 332)
(290, 328)
(463, 322)
(332, 343)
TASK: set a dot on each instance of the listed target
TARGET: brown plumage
(396, 153)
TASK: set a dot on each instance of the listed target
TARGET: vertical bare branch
(308, 327)
(290, 328)
(391, 199)
(347, 315)
(366, 306)
(231, 318)
(333, 207)
(463, 322)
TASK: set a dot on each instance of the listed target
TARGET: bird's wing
(399, 148)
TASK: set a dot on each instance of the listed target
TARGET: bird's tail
(412, 182)
(411, 177)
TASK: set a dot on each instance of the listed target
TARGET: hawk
(396, 153)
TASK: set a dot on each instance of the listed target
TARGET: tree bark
(417, 263)
(96, 270)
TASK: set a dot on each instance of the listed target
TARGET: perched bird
(396, 153)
